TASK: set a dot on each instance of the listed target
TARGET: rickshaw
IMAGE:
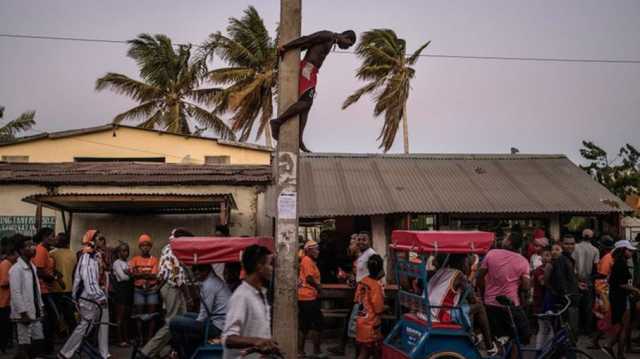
(213, 250)
(417, 335)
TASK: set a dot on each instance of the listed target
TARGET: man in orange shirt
(370, 297)
(44, 240)
(5, 293)
(309, 314)
(144, 270)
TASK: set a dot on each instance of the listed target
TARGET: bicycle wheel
(575, 353)
(445, 355)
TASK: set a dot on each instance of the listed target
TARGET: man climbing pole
(317, 46)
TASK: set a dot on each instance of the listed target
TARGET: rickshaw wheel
(445, 355)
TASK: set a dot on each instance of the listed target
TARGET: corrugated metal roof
(351, 184)
(132, 173)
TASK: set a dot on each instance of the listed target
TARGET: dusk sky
(456, 105)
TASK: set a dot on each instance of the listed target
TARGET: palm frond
(229, 75)
(24, 122)
(124, 85)
(266, 113)
(137, 113)
(368, 88)
(251, 32)
(233, 52)
(416, 54)
(210, 120)
(366, 73)
(205, 96)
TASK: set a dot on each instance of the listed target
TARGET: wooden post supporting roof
(285, 313)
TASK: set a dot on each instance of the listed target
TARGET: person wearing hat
(86, 284)
(144, 270)
(620, 292)
(309, 314)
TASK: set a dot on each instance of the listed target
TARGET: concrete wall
(130, 142)
(11, 203)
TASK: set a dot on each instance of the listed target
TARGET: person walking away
(586, 258)
(27, 308)
(506, 272)
(545, 328)
(309, 313)
(144, 270)
(44, 239)
(602, 308)
(6, 327)
(86, 284)
(65, 262)
(172, 289)
(563, 281)
(370, 301)
(620, 291)
(122, 293)
(188, 329)
(247, 327)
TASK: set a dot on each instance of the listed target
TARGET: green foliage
(387, 69)
(621, 175)
(168, 95)
(250, 81)
(11, 129)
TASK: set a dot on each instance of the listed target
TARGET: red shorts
(308, 77)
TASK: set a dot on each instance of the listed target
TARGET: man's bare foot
(304, 148)
(275, 129)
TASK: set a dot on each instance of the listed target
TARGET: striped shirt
(88, 273)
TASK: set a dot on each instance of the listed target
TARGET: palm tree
(388, 70)
(168, 95)
(251, 77)
(11, 129)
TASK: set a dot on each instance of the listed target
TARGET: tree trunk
(285, 308)
(405, 129)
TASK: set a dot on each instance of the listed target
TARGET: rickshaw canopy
(477, 242)
(210, 250)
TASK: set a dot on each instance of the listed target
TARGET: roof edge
(436, 156)
(110, 127)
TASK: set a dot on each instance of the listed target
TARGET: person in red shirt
(144, 270)
(309, 314)
(370, 298)
(6, 327)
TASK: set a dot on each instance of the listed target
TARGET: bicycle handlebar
(550, 314)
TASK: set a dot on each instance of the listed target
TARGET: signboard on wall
(24, 224)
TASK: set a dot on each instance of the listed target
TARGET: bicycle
(86, 345)
(561, 345)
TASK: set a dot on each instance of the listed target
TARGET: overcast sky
(461, 106)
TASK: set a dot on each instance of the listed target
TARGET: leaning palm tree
(388, 70)
(11, 129)
(250, 79)
(168, 96)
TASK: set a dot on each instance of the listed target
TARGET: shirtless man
(317, 46)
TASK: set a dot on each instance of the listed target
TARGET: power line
(507, 58)
(445, 56)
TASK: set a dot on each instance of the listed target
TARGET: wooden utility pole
(285, 311)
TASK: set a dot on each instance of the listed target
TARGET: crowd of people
(50, 294)
(597, 278)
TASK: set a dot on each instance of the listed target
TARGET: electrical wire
(443, 56)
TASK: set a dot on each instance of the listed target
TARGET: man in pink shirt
(506, 272)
